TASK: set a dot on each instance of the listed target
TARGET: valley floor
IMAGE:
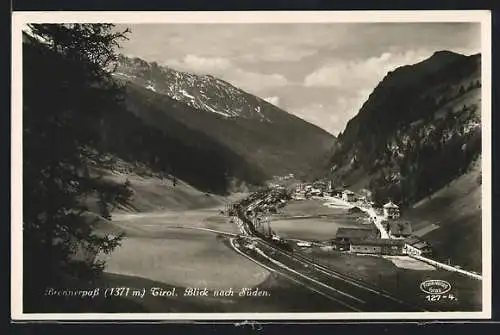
(172, 249)
(188, 246)
(175, 248)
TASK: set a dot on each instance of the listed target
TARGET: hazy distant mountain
(419, 130)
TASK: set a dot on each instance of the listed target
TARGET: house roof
(390, 204)
(421, 245)
(355, 233)
(412, 239)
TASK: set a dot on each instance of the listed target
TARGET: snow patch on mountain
(121, 74)
(151, 88)
(186, 94)
(202, 92)
(210, 109)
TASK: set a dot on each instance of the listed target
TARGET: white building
(411, 250)
(391, 210)
(329, 187)
(348, 196)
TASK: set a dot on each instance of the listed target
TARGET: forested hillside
(419, 129)
(417, 141)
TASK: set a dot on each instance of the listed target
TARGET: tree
(67, 89)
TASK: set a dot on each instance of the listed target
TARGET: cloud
(350, 83)
(273, 100)
(278, 53)
(347, 106)
(205, 64)
(194, 63)
(255, 82)
(225, 69)
(333, 115)
(324, 116)
(362, 73)
(322, 72)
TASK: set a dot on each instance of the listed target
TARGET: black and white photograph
(244, 165)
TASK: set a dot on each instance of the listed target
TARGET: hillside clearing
(451, 220)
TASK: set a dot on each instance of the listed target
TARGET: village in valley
(384, 230)
(387, 233)
(318, 233)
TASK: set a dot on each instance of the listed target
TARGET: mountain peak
(444, 52)
(446, 55)
(409, 74)
(202, 92)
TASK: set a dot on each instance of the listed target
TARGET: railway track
(352, 293)
(266, 262)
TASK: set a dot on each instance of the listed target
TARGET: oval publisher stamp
(435, 286)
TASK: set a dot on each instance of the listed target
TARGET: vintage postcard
(251, 165)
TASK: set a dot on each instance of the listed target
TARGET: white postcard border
(20, 19)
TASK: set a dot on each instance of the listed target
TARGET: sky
(321, 72)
